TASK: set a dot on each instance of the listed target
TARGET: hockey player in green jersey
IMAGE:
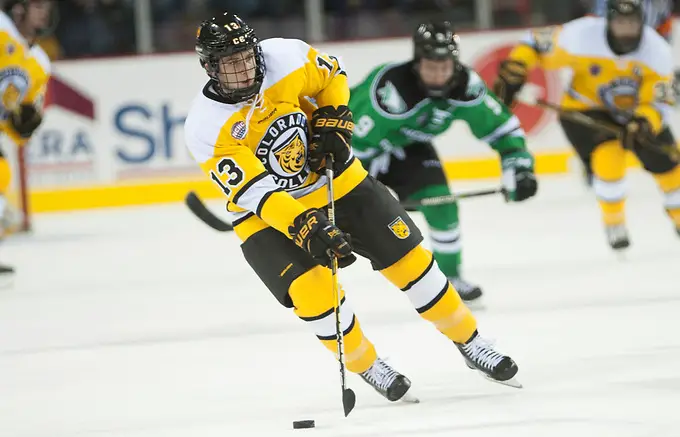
(400, 108)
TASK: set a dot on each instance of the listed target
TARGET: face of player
(238, 70)
(435, 73)
(626, 28)
(39, 14)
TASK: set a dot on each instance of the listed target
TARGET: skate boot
(617, 235)
(480, 355)
(388, 382)
(466, 290)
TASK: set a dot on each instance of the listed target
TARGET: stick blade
(196, 206)
(349, 399)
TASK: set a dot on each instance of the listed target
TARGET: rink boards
(113, 134)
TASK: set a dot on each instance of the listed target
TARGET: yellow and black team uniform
(613, 89)
(256, 152)
(24, 73)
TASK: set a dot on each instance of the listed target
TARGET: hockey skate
(480, 355)
(617, 236)
(467, 291)
(388, 382)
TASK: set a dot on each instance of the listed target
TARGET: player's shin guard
(669, 183)
(432, 295)
(609, 169)
(312, 296)
(444, 230)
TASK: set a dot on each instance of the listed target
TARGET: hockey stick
(581, 118)
(441, 200)
(201, 211)
(349, 399)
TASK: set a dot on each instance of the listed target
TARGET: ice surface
(143, 322)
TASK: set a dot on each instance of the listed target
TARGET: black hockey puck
(302, 424)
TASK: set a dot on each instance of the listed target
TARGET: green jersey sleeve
(489, 119)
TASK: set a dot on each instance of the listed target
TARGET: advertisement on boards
(120, 120)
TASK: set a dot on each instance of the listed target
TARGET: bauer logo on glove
(331, 134)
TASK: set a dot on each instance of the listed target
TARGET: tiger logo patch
(399, 228)
(283, 150)
(291, 158)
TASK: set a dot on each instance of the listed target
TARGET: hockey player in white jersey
(622, 73)
(256, 134)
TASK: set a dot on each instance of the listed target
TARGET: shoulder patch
(238, 130)
(394, 90)
(389, 98)
(476, 86)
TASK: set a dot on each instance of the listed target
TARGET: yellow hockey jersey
(635, 83)
(256, 152)
(24, 74)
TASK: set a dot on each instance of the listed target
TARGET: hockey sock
(669, 183)
(431, 294)
(609, 168)
(312, 296)
(444, 230)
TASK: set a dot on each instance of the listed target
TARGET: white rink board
(141, 102)
(142, 322)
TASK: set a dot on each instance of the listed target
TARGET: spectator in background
(96, 27)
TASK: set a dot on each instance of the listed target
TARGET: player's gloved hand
(511, 77)
(25, 120)
(519, 179)
(331, 134)
(314, 233)
(637, 131)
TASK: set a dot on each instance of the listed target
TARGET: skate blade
(512, 382)
(409, 398)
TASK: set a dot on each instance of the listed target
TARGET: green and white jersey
(391, 111)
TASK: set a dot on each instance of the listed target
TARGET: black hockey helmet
(9, 5)
(625, 8)
(437, 40)
(222, 37)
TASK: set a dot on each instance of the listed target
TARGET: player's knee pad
(431, 294)
(314, 302)
(5, 175)
(609, 168)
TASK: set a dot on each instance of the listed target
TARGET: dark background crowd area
(94, 28)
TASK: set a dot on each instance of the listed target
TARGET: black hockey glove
(26, 120)
(314, 233)
(519, 180)
(511, 77)
(331, 134)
